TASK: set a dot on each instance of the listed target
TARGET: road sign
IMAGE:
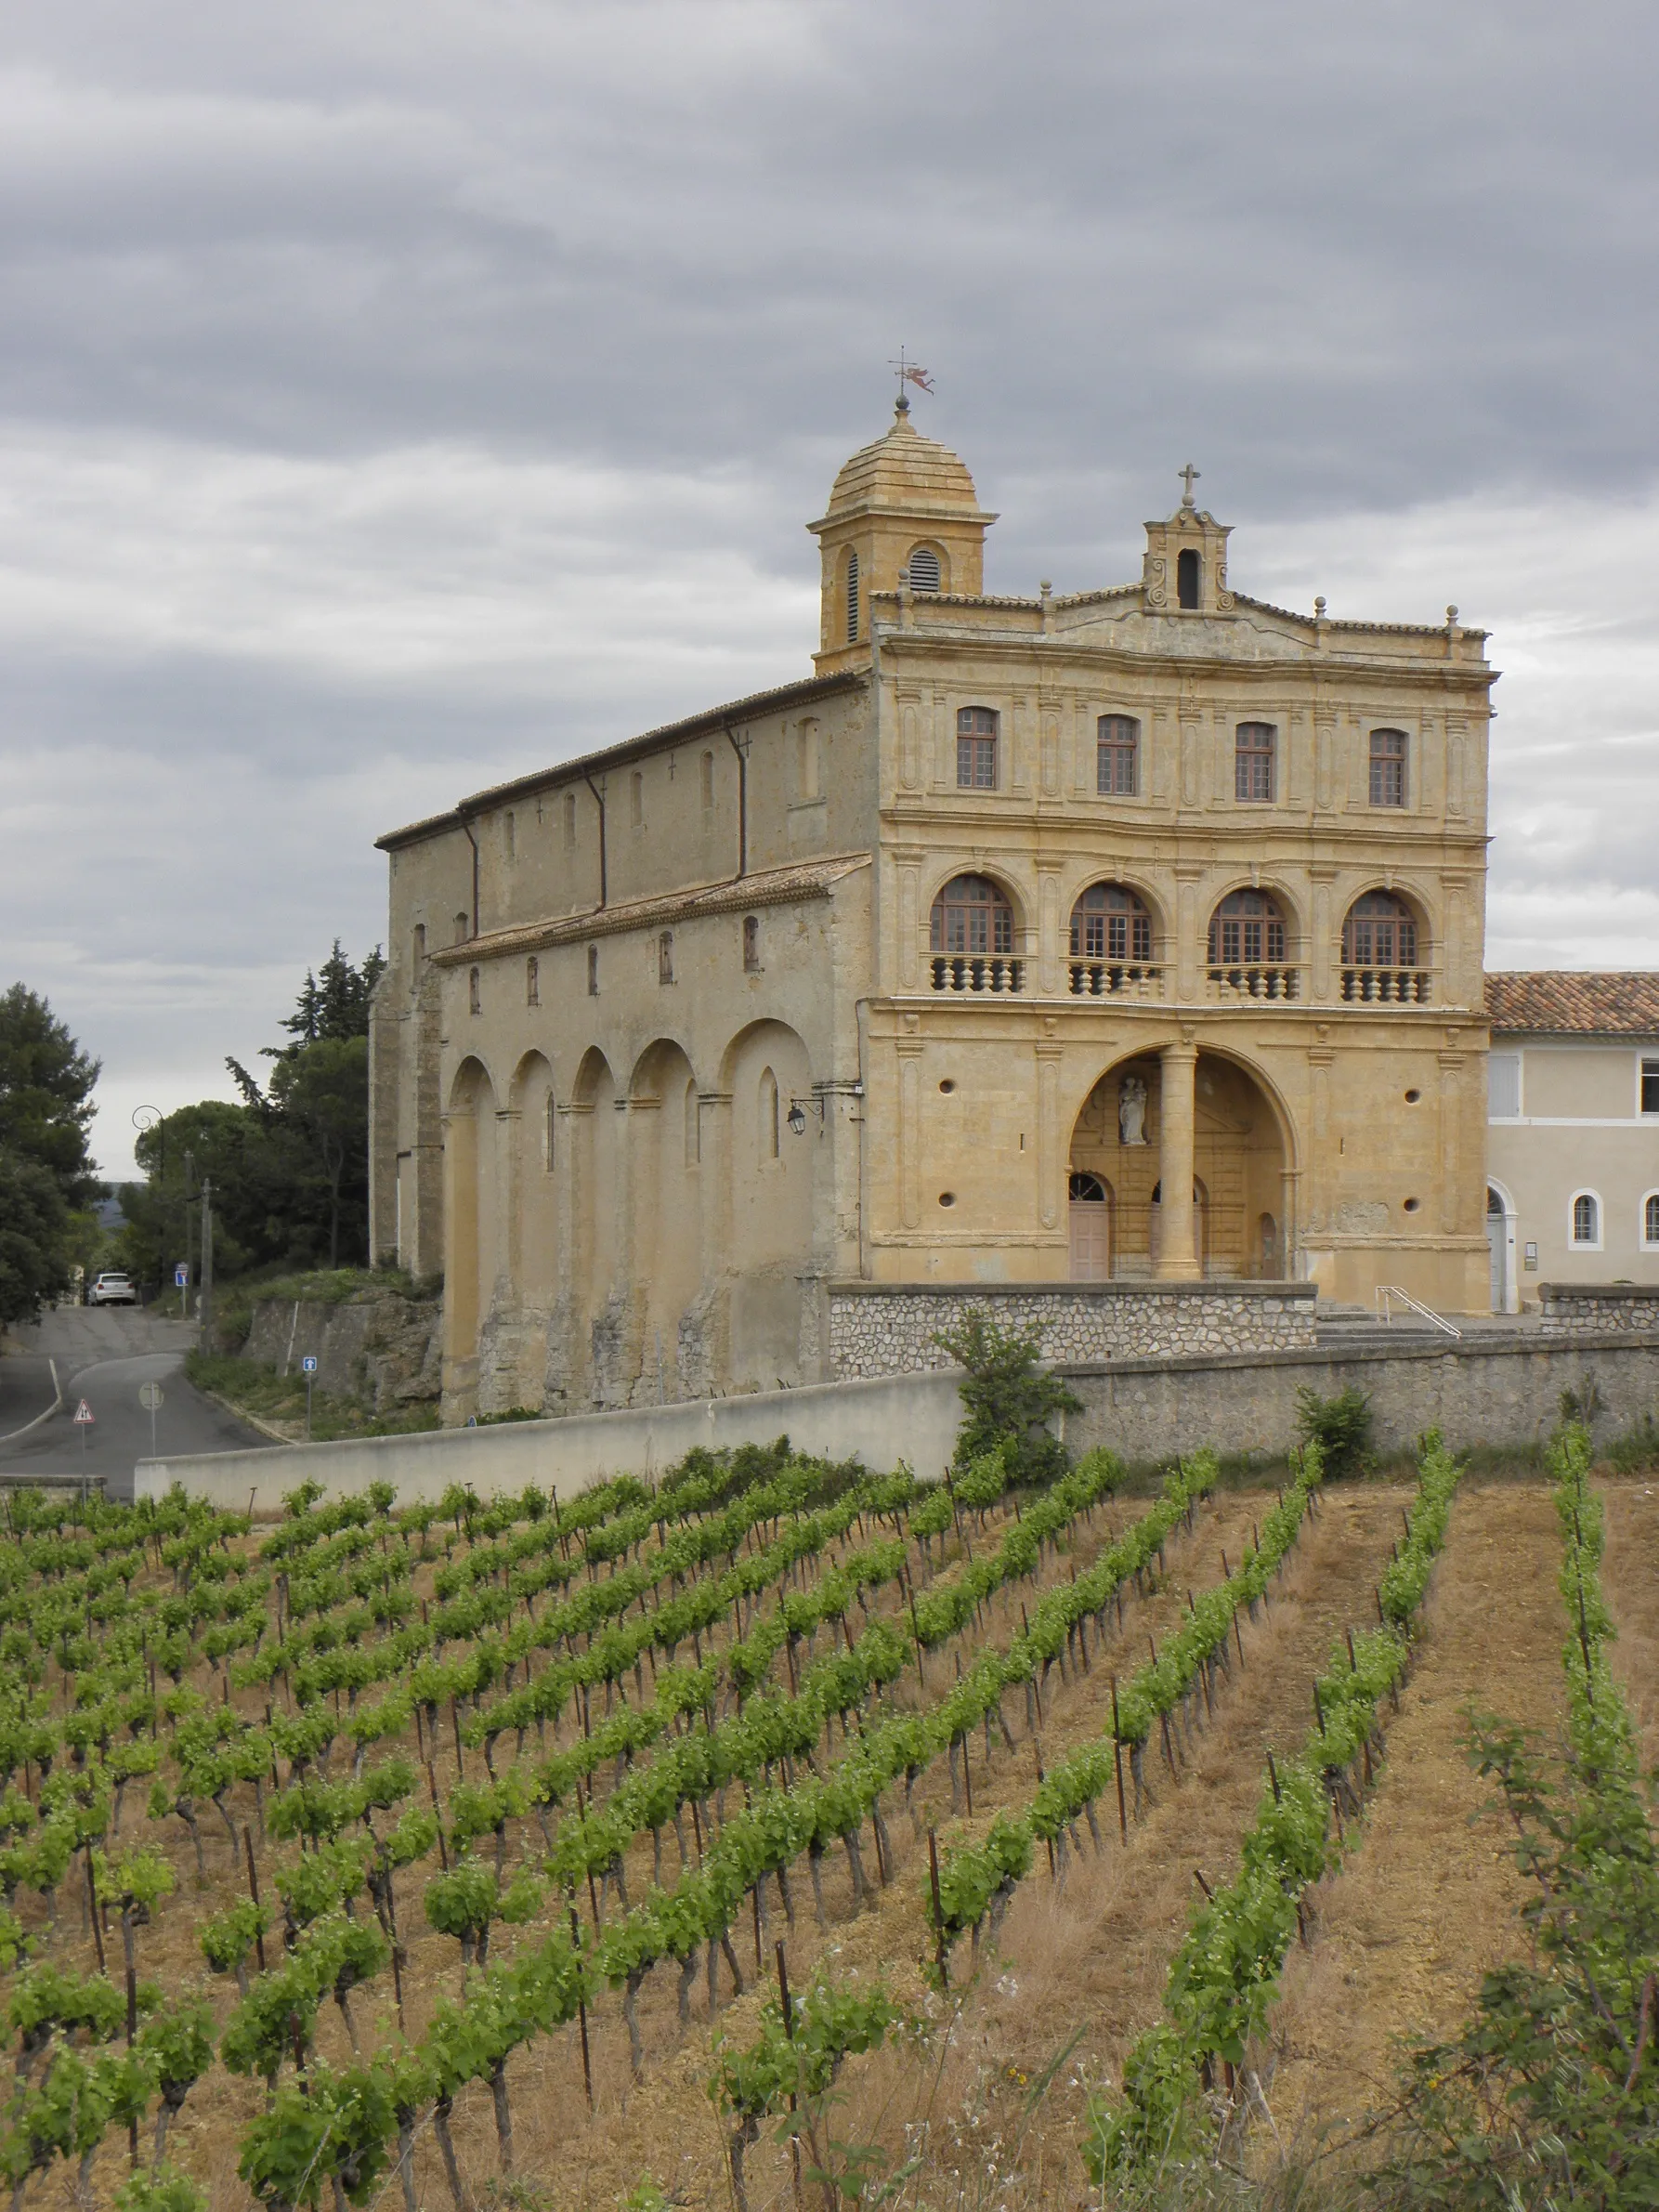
(84, 1416)
(181, 1279)
(309, 1365)
(150, 1396)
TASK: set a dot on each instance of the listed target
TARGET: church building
(1130, 937)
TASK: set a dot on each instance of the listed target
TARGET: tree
(334, 1005)
(34, 1261)
(45, 1094)
(45, 1174)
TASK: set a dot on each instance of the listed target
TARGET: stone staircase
(1340, 1327)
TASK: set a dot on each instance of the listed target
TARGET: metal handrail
(1388, 1292)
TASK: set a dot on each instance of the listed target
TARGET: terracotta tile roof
(763, 887)
(1562, 1001)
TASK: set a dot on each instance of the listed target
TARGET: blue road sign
(181, 1279)
(309, 1365)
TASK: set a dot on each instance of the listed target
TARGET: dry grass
(1630, 1580)
(1428, 1901)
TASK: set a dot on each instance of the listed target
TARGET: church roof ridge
(805, 689)
(761, 887)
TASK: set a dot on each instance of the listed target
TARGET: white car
(112, 1290)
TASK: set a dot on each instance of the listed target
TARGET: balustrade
(1114, 979)
(1228, 985)
(973, 971)
(1386, 987)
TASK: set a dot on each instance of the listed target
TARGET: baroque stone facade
(893, 1330)
(1129, 934)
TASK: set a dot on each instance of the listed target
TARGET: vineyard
(781, 1832)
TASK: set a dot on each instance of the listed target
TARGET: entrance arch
(1500, 1246)
(1240, 1161)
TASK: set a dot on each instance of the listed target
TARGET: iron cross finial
(1189, 476)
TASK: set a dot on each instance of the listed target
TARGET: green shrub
(1340, 1426)
(1637, 1450)
(1008, 1398)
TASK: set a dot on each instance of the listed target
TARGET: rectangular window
(637, 799)
(977, 749)
(1118, 744)
(1649, 1086)
(510, 836)
(1388, 767)
(666, 957)
(593, 971)
(1253, 760)
(1503, 1086)
(569, 821)
(707, 775)
(475, 995)
(532, 981)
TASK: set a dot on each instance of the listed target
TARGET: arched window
(475, 993)
(751, 944)
(552, 1120)
(1187, 576)
(1246, 931)
(1109, 922)
(852, 598)
(463, 929)
(1650, 1221)
(924, 568)
(666, 957)
(971, 915)
(977, 749)
(1116, 757)
(693, 1150)
(1253, 760)
(593, 971)
(418, 948)
(1587, 1220)
(1380, 931)
(1388, 767)
(768, 1115)
(532, 981)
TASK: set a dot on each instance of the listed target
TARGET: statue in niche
(1132, 1110)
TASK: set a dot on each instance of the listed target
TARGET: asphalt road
(102, 1354)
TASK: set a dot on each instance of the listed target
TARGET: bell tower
(1186, 559)
(903, 509)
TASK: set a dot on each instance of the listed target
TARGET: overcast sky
(396, 398)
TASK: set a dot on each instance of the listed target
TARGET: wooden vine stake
(940, 1959)
(1117, 1765)
(581, 2013)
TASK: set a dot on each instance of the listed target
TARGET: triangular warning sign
(84, 1412)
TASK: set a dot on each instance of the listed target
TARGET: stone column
(1178, 1253)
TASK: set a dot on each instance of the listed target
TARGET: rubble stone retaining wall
(384, 1349)
(881, 1329)
(1597, 1309)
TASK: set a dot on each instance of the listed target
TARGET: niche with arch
(667, 1212)
(770, 1211)
(533, 1215)
(472, 1253)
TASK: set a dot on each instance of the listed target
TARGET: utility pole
(206, 1262)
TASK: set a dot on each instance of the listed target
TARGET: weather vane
(908, 373)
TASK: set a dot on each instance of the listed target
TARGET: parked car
(110, 1288)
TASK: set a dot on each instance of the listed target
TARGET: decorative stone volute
(901, 496)
(1186, 559)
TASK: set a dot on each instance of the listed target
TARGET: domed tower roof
(904, 472)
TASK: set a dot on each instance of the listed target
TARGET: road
(102, 1354)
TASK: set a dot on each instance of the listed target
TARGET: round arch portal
(1240, 1162)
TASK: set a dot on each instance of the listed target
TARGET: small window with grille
(1388, 767)
(1587, 1219)
(1650, 1221)
(1253, 760)
(977, 749)
(924, 570)
(1117, 749)
(852, 598)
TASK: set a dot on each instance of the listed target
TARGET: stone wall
(1598, 1309)
(878, 1329)
(1501, 1389)
(383, 1350)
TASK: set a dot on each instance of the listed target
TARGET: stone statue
(1132, 1110)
